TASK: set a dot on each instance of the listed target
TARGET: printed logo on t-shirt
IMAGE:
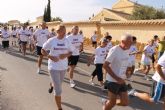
(75, 39)
(43, 33)
(60, 44)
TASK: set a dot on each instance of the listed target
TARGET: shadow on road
(43, 72)
(82, 74)
(88, 89)
(138, 104)
(15, 53)
(142, 83)
(3, 69)
(73, 107)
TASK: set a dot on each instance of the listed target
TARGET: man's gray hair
(126, 37)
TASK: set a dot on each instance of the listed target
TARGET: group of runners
(113, 63)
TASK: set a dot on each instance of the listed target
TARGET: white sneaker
(135, 71)
(102, 88)
(131, 92)
(92, 83)
(146, 78)
(72, 84)
(39, 71)
(103, 101)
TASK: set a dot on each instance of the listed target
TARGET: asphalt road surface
(24, 89)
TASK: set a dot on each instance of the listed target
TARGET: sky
(68, 10)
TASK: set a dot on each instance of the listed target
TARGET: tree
(27, 23)
(47, 13)
(147, 13)
(57, 19)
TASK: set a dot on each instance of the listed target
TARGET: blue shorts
(159, 92)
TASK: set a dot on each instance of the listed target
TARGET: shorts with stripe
(159, 92)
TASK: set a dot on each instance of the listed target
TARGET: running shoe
(91, 82)
(72, 84)
(132, 92)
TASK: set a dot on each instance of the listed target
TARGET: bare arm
(90, 59)
(34, 37)
(53, 58)
(63, 56)
(160, 72)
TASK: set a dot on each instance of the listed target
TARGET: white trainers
(92, 83)
(72, 84)
(103, 101)
(132, 92)
(135, 71)
(39, 71)
(146, 78)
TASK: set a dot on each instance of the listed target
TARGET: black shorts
(23, 42)
(39, 50)
(5, 44)
(116, 88)
(72, 60)
(153, 58)
(98, 71)
(94, 42)
(14, 36)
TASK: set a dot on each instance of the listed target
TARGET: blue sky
(68, 10)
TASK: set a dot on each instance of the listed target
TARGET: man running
(23, 36)
(159, 81)
(77, 42)
(5, 38)
(14, 36)
(116, 65)
(40, 37)
(94, 39)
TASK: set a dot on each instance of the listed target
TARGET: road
(24, 89)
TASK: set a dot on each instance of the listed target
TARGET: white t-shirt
(41, 36)
(5, 35)
(109, 46)
(94, 38)
(132, 50)
(57, 47)
(156, 76)
(148, 51)
(155, 44)
(76, 41)
(100, 55)
(31, 39)
(14, 32)
(24, 35)
(118, 59)
(18, 30)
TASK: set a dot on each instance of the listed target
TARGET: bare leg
(111, 102)
(58, 101)
(40, 60)
(147, 70)
(123, 99)
(24, 49)
(144, 96)
(71, 69)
